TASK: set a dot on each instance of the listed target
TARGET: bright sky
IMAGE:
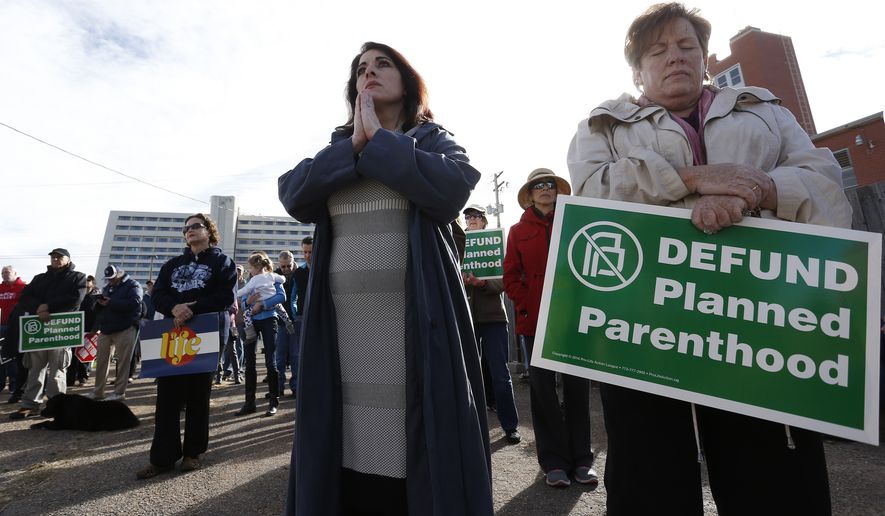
(221, 98)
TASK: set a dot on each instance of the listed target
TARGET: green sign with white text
(768, 318)
(63, 330)
(484, 253)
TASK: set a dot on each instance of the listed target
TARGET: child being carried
(262, 283)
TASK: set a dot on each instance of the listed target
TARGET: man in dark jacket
(118, 322)
(60, 289)
(286, 353)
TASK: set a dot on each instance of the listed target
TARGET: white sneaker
(115, 397)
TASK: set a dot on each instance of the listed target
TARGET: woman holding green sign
(725, 154)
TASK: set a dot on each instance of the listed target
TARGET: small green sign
(484, 253)
(768, 318)
(63, 330)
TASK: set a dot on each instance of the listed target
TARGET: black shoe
(14, 398)
(225, 377)
(24, 413)
(238, 380)
(247, 409)
(512, 436)
(271, 411)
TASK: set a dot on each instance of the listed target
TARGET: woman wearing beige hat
(562, 434)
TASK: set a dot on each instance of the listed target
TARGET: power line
(45, 185)
(87, 160)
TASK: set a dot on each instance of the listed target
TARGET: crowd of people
(396, 355)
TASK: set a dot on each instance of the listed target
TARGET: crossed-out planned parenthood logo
(605, 256)
(33, 326)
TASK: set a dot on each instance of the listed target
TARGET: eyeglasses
(195, 226)
(543, 185)
(285, 267)
(470, 216)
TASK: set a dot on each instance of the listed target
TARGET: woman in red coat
(562, 433)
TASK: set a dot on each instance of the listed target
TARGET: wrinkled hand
(470, 279)
(182, 312)
(43, 312)
(750, 184)
(714, 212)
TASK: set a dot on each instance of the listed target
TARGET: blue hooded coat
(448, 461)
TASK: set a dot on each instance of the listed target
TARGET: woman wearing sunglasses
(562, 435)
(202, 280)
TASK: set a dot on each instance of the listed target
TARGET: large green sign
(772, 319)
(484, 253)
(63, 330)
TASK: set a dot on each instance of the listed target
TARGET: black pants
(652, 465)
(562, 435)
(16, 369)
(365, 494)
(76, 372)
(191, 390)
(267, 328)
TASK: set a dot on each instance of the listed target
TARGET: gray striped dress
(367, 276)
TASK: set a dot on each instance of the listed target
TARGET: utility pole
(498, 208)
(151, 270)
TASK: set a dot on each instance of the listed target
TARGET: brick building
(858, 146)
(768, 60)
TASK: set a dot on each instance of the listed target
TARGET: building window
(732, 77)
(849, 180)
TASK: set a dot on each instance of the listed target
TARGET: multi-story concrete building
(768, 60)
(141, 242)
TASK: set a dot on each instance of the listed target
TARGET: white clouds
(221, 97)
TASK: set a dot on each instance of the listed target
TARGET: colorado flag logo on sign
(191, 348)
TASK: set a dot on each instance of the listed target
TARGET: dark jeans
(192, 391)
(229, 359)
(562, 434)
(287, 352)
(76, 371)
(18, 376)
(652, 464)
(267, 328)
(492, 338)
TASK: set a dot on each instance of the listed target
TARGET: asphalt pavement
(246, 468)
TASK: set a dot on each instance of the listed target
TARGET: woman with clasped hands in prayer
(391, 412)
(725, 154)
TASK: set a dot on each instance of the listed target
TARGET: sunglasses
(543, 185)
(195, 226)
